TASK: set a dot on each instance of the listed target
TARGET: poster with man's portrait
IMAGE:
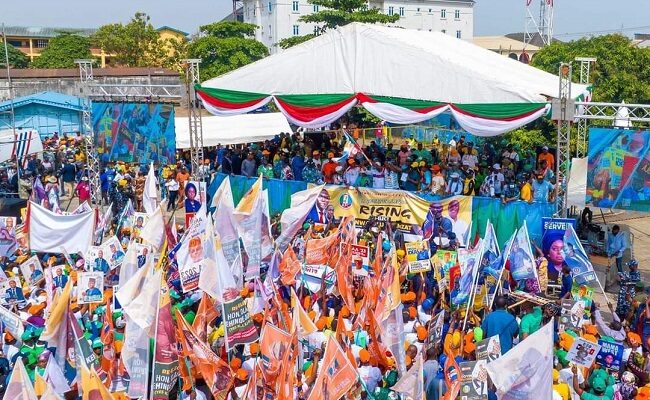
(7, 235)
(32, 271)
(59, 277)
(22, 238)
(12, 291)
(139, 221)
(474, 380)
(113, 252)
(91, 287)
(143, 252)
(489, 349)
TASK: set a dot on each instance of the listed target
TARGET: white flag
(412, 382)
(54, 377)
(135, 354)
(153, 231)
(223, 195)
(216, 278)
(142, 310)
(49, 232)
(19, 386)
(150, 194)
(525, 371)
(292, 218)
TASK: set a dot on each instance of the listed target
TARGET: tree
(334, 13)
(62, 50)
(17, 59)
(136, 44)
(225, 46)
(621, 73)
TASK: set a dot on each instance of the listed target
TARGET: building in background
(508, 47)
(277, 20)
(32, 40)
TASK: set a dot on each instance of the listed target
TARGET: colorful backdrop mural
(134, 132)
(619, 169)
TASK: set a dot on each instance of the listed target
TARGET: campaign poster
(7, 236)
(618, 174)
(135, 132)
(238, 323)
(12, 290)
(360, 260)
(520, 256)
(312, 277)
(489, 349)
(442, 261)
(434, 330)
(22, 238)
(139, 221)
(91, 287)
(583, 352)
(553, 244)
(474, 380)
(59, 277)
(143, 252)
(195, 196)
(610, 355)
(584, 295)
(411, 213)
(192, 253)
(32, 271)
(115, 302)
(571, 316)
(418, 257)
(113, 252)
(96, 259)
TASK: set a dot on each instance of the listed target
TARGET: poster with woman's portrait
(91, 287)
(195, 196)
(32, 271)
(7, 235)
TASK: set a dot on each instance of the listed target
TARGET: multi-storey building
(280, 19)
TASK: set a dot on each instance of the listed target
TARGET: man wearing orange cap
(370, 375)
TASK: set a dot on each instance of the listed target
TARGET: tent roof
(395, 62)
(244, 128)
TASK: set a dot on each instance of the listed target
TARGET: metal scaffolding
(563, 112)
(192, 77)
(92, 159)
(541, 26)
(583, 125)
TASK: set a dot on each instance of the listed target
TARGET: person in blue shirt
(92, 293)
(100, 263)
(501, 322)
(60, 280)
(567, 282)
(14, 293)
(616, 246)
(118, 254)
(542, 190)
(297, 166)
(35, 274)
(142, 258)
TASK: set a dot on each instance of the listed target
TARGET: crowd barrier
(505, 217)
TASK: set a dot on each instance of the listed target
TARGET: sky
(573, 18)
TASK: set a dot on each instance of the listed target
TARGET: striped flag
(350, 149)
(20, 144)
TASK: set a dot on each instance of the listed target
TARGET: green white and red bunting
(318, 110)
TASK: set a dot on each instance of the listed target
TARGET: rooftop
(45, 32)
(45, 98)
(31, 73)
(502, 43)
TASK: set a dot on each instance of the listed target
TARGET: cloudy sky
(574, 18)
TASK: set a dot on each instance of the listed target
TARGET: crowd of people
(341, 325)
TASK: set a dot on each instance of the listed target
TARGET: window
(270, 7)
(14, 43)
(296, 30)
(458, 35)
(401, 11)
(254, 11)
(316, 30)
(391, 10)
(40, 43)
(443, 14)
(316, 8)
(457, 14)
(294, 6)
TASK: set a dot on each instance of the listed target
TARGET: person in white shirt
(378, 173)
(438, 185)
(455, 186)
(371, 376)
(351, 174)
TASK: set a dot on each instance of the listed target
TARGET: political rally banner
(618, 174)
(312, 276)
(238, 323)
(192, 252)
(411, 213)
(32, 270)
(474, 380)
(49, 232)
(442, 261)
(360, 260)
(489, 349)
(583, 352)
(610, 355)
(571, 316)
(7, 236)
(522, 262)
(418, 257)
(11, 322)
(434, 330)
(469, 262)
(584, 295)
(165, 360)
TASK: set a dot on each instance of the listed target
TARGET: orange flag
(343, 277)
(341, 336)
(320, 251)
(274, 342)
(92, 386)
(215, 371)
(302, 323)
(205, 314)
(337, 371)
(289, 267)
(287, 379)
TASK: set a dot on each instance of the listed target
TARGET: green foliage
(225, 46)
(17, 59)
(62, 50)
(334, 13)
(621, 73)
(294, 40)
(137, 44)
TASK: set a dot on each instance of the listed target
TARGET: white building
(279, 19)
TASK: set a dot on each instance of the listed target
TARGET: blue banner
(610, 355)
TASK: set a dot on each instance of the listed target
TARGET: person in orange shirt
(182, 176)
(329, 168)
(546, 156)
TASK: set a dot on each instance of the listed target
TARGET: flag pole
(155, 340)
(474, 282)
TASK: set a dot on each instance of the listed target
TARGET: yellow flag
(92, 386)
(301, 319)
(39, 384)
(247, 203)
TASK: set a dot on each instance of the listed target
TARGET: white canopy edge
(384, 61)
(236, 129)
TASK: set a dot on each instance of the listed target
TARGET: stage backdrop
(134, 132)
(619, 169)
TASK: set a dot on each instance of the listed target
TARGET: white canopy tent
(235, 129)
(400, 75)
